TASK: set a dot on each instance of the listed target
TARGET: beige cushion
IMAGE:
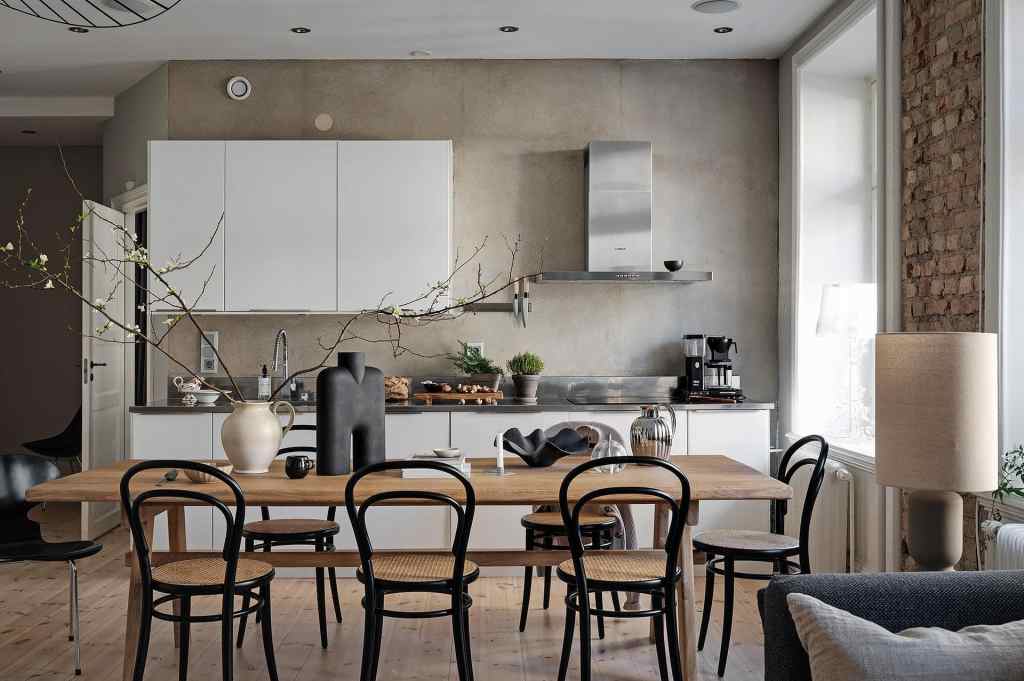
(844, 647)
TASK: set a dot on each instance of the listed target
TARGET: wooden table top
(711, 477)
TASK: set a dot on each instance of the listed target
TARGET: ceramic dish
(200, 477)
(206, 396)
(447, 452)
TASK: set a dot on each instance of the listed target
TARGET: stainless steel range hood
(619, 233)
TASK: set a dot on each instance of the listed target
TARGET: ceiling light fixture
(715, 6)
(723, 29)
(508, 29)
(302, 30)
(88, 14)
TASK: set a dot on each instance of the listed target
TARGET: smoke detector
(239, 88)
(715, 6)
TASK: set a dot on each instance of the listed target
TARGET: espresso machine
(719, 381)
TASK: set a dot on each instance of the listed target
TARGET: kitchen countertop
(174, 406)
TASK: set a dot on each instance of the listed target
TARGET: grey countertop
(174, 406)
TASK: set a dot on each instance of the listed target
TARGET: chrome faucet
(281, 343)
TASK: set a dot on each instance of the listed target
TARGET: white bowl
(447, 452)
(206, 396)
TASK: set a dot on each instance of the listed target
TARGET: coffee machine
(719, 381)
(694, 349)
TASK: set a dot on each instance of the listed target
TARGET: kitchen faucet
(281, 343)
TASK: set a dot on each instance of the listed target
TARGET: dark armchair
(896, 601)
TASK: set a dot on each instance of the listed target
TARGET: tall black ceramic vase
(349, 416)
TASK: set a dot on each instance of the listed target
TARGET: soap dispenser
(263, 385)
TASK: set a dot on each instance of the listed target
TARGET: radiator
(832, 526)
(1000, 541)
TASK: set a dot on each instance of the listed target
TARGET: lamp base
(935, 529)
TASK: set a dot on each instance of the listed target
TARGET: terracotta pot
(252, 435)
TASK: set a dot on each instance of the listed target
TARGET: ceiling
(40, 58)
(51, 130)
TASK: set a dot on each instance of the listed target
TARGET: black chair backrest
(132, 507)
(19, 473)
(464, 512)
(787, 467)
(678, 507)
(307, 449)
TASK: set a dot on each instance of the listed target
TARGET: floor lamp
(936, 432)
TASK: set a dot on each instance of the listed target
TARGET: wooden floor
(34, 645)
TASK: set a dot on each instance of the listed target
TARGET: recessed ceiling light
(508, 29)
(420, 53)
(723, 29)
(715, 6)
(29, 132)
(301, 29)
(78, 29)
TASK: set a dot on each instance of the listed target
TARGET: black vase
(349, 416)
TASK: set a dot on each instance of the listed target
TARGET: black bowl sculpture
(539, 451)
(673, 265)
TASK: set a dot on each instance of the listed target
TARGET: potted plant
(526, 368)
(481, 371)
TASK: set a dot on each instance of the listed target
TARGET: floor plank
(34, 645)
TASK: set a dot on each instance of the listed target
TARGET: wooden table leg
(178, 544)
(133, 613)
(686, 606)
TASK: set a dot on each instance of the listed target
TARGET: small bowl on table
(447, 452)
(199, 477)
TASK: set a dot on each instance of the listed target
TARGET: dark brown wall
(39, 355)
(943, 171)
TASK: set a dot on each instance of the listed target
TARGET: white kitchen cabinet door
(186, 202)
(741, 435)
(643, 514)
(178, 436)
(395, 217)
(282, 226)
(408, 434)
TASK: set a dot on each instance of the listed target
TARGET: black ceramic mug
(297, 466)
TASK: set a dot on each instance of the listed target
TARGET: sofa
(896, 601)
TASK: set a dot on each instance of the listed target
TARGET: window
(836, 272)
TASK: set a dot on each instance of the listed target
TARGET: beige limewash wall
(520, 129)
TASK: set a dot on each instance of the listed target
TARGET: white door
(282, 226)
(103, 361)
(395, 220)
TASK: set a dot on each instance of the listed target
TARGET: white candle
(499, 451)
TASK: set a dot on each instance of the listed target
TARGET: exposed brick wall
(943, 169)
(942, 164)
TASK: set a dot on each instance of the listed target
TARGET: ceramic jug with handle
(650, 435)
(252, 434)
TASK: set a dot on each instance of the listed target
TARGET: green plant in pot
(481, 371)
(526, 368)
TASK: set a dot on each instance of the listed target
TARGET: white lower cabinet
(178, 436)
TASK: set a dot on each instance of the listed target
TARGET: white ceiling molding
(57, 107)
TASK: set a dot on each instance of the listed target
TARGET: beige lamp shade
(936, 411)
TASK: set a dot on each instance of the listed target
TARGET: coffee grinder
(694, 348)
(720, 381)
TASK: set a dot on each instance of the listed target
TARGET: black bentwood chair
(226, 576)
(656, 573)
(266, 533)
(389, 573)
(725, 547)
(21, 539)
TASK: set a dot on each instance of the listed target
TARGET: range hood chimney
(620, 206)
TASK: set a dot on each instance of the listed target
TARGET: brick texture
(943, 169)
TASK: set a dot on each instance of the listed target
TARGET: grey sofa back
(896, 601)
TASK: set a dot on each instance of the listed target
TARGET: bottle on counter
(263, 388)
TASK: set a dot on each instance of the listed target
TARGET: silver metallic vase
(650, 435)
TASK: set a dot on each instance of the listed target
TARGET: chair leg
(75, 624)
(610, 539)
(227, 653)
(583, 600)
(268, 631)
(615, 601)
(709, 599)
(595, 542)
(659, 635)
(672, 624)
(527, 583)
(459, 635)
(469, 638)
(332, 575)
(570, 625)
(183, 637)
(730, 583)
(549, 543)
(145, 623)
(245, 604)
(369, 618)
(378, 635)
(321, 605)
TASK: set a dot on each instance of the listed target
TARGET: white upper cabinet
(282, 226)
(186, 201)
(395, 217)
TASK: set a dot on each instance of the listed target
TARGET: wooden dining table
(711, 477)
